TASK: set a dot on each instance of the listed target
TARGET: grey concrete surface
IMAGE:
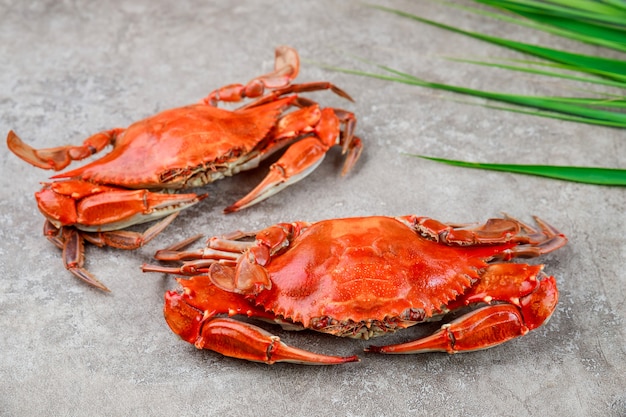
(71, 68)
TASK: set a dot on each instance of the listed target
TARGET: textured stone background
(71, 68)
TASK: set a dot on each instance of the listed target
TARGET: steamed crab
(361, 278)
(185, 147)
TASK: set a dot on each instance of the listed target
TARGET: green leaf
(581, 110)
(584, 10)
(591, 80)
(587, 175)
(599, 22)
(590, 21)
(611, 68)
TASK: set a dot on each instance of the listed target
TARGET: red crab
(185, 147)
(360, 278)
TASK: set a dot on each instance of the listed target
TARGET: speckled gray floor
(76, 67)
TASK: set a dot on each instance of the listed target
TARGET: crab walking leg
(245, 341)
(547, 240)
(531, 243)
(74, 257)
(53, 234)
(226, 250)
(60, 157)
(486, 327)
(127, 240)
(298, 88)
(286, 68)
(71, 242)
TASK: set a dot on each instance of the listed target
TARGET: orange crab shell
(335, 269)
(168, 149)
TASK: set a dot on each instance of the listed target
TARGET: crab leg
(245, 341)
(286, 67)
(545, 241)
(60, 157)
(531, 243)
(127, 240)
(299, 161)
(199, 261)
(227, 250)
(298, 88)
(71, 241)
(191, 315)
(481, 329)
(94, 208)
(304, 156)
(488, 326)
(74, 257)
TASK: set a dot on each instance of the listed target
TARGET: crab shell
(364, 277)
(356, 271)
(183, 147)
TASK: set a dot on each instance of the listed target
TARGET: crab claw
(191, 314)
(133, 207)
(299, 161)
(246, 341)
(97, 208)
(304, 156)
